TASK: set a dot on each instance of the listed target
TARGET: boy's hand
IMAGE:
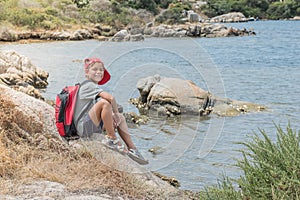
(117, 119)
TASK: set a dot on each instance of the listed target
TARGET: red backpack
(64, 111)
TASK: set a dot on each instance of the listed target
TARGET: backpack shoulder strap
(80, 84)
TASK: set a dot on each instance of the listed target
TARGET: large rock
(172, 96)
(30, 115)
(216, 30)
(124, 35)
(17, 71)
(165, 31)
(33, 120)
(230, 17)
(7, 35)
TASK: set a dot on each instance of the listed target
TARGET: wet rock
(171, 180)
(156, 150)
(215, 30)
(172, 96)
(136, 119)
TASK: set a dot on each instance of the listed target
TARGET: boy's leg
(133, 152)
(124, 133)
(102, 110)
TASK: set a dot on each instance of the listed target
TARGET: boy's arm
(110, 98)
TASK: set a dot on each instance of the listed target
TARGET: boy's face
(95, 72)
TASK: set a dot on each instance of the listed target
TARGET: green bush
(119, 18)
(173, 14)
(276, 10)
(164, 3)
(35, 18)
(271, 169)
(224, 190)
(253, 8)
(52, 11)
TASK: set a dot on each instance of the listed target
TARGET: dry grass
(28, 157)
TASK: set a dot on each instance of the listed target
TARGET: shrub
(276, 10)
(173, 14)
(52, 11)
(224, 190)
(163, 3)
(272, 169)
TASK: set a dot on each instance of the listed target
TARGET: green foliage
(61, 5)
(55, 13)
(117, 17)
(253, 8)
(279, 10)
(173, 14)
(164, 3)
(32, 18)
(224, 190)
(272, 169)
(52, 11)
(149, 5)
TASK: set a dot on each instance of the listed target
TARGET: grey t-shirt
(86, 98)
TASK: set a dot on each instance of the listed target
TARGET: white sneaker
(135, 155)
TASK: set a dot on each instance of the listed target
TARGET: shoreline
(209, 30)
(17, 35)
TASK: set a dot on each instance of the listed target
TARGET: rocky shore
(214, 27)
(31, 121)
(34, 156)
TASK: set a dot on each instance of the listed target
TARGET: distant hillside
(61, 14)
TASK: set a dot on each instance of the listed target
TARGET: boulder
(17, 71)
(193, 17)
(166, 31)
(137, 37)
(33, 120)
(230, 17)
(120, 36)
(215, 30)
(173, 96)
(7, 35)
(30, 115)
(124, 35)
(296, 18)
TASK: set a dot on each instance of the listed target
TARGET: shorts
(89, 127)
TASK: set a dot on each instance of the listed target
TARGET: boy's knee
(103, 103)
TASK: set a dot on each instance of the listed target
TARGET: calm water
(264, 69)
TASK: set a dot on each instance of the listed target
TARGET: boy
(96, 110)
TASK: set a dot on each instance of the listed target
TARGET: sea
(197, 151)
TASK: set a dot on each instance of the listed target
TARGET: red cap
(90, 61)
